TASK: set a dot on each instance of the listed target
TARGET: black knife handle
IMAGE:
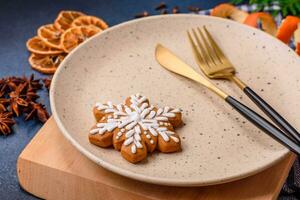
(263, 124)
(273, 114)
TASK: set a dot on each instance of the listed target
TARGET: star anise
(8, 84)
(18, 94)
(33, 84)
(47, 83)
(37, 110)
(3, 103)
(30, 95)
(17, 99)
(6, 122)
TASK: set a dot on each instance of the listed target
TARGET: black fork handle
(272, 114)
(264, 125)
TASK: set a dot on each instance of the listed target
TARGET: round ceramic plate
(218, 145)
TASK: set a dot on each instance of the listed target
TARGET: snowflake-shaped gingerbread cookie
(136, 127)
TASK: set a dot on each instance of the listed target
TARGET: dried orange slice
(38, 46)
(89, 20)
(50, 35)
(226, 10)
(46, 64)
(72, 37)
(267, 21)
(65, 19)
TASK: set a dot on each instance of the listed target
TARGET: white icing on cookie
(139, 117)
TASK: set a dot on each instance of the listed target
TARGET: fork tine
(210, 50)
(218, 51)
(195, 50)
(204, 53)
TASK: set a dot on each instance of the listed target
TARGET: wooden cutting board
(51, 168)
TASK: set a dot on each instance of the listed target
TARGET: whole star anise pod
(3, 103)
(29, 95)
(33, 84)
(6, 122)
(37, 110)
(17, 100)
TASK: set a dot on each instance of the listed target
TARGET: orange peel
(287, 28)
(267, 21)
(297, 39)
(226, 10)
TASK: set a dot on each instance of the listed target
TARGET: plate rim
(141, 177)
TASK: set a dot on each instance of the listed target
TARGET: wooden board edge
(37, 180)
(21, 163)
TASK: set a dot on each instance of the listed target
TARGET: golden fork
(172, 63)
(216, 65)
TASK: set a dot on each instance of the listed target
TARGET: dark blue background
(19, 21)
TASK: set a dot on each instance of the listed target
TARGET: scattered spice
(161, 6)
(16, 100)
(143, 14)
(47, 83)
(164, 11)
(6, 122)
(18, 95)
(37, 110)
(3, 104)
(175, 10)
(33, 84)
(30, 95)
(8, 84)
(193, 9)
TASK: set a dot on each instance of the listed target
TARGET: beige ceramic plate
(218, 144)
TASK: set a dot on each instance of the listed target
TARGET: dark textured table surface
(19, 21)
